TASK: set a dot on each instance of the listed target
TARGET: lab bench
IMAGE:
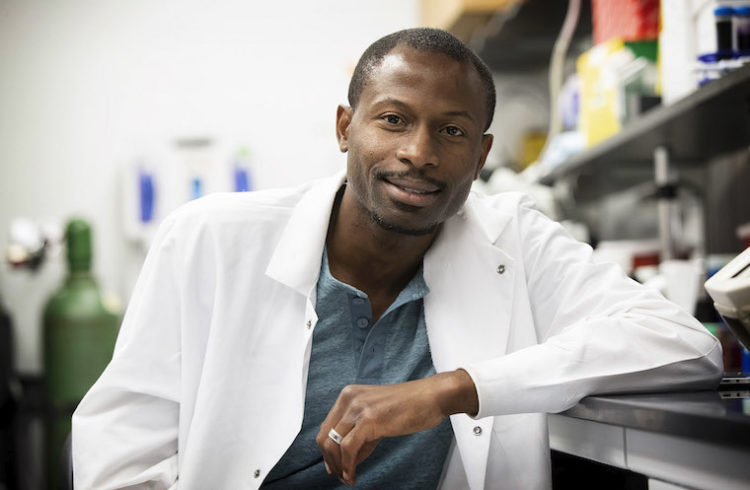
(696, 440)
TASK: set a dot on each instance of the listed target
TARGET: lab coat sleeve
(598, 332)
(125, 428)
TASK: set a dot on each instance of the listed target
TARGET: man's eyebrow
(466, 114)
(403, 105)
(391, 101)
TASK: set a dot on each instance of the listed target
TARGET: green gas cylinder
(79, 337)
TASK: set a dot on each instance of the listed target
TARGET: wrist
(458, 394)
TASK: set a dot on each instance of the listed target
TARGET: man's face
(415, 142)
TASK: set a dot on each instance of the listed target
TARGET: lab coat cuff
(474, 378)
(515, 383)
(496, 392)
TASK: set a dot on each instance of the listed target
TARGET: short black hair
(421, 39)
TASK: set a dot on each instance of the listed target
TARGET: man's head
(414, 133)
(421, 39)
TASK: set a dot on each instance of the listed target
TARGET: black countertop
(720, 417)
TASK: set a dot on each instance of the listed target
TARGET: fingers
(349, 455)
(342, 459)
(355, 448)
(330, 449)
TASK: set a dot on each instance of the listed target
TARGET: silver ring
(334, 436)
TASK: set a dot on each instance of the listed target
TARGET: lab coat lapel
(468, 312)
(296, 263)
(296, 260)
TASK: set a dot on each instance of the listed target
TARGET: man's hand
(364, 414)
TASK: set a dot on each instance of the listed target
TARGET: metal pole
(664, 204)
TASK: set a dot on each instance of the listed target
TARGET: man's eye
(453, 131)
(392, 119)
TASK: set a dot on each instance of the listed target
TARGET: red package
(630, 20)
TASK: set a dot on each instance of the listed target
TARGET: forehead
(415, 75)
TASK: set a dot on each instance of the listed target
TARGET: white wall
(88, 87)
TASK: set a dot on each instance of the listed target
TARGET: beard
(376, 218)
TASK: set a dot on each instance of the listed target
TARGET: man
(322, 335)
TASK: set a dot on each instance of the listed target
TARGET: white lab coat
(209, 373)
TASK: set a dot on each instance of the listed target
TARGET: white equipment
(730, 290)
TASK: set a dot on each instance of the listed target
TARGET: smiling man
(385, 328)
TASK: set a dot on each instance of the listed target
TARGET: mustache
(417, 175)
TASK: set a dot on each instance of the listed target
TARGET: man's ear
(486, 145)
(343, 119)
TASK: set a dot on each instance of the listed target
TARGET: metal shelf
(713, 120)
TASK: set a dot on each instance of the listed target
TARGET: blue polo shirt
(348, 349)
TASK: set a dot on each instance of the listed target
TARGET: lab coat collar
(296, 260)
(491, 221)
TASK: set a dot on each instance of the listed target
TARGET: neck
(363, 254)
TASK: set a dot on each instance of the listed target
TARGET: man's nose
(417, 148)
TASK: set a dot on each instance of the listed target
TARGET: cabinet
(696, 439)
(509, 35)
(462, 17)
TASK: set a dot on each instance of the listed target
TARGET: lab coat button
(501, 268)
(256, 474)
(477, 431)
(309, 324)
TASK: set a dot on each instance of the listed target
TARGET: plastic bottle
(242, 179)
(723, 17)
(146, 196)
(79, 337)
(742, 30)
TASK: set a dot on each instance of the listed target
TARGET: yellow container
(597, 71)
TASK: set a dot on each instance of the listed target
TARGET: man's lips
(416, 187)
(411, 191)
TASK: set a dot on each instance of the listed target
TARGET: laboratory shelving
(713, 120)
